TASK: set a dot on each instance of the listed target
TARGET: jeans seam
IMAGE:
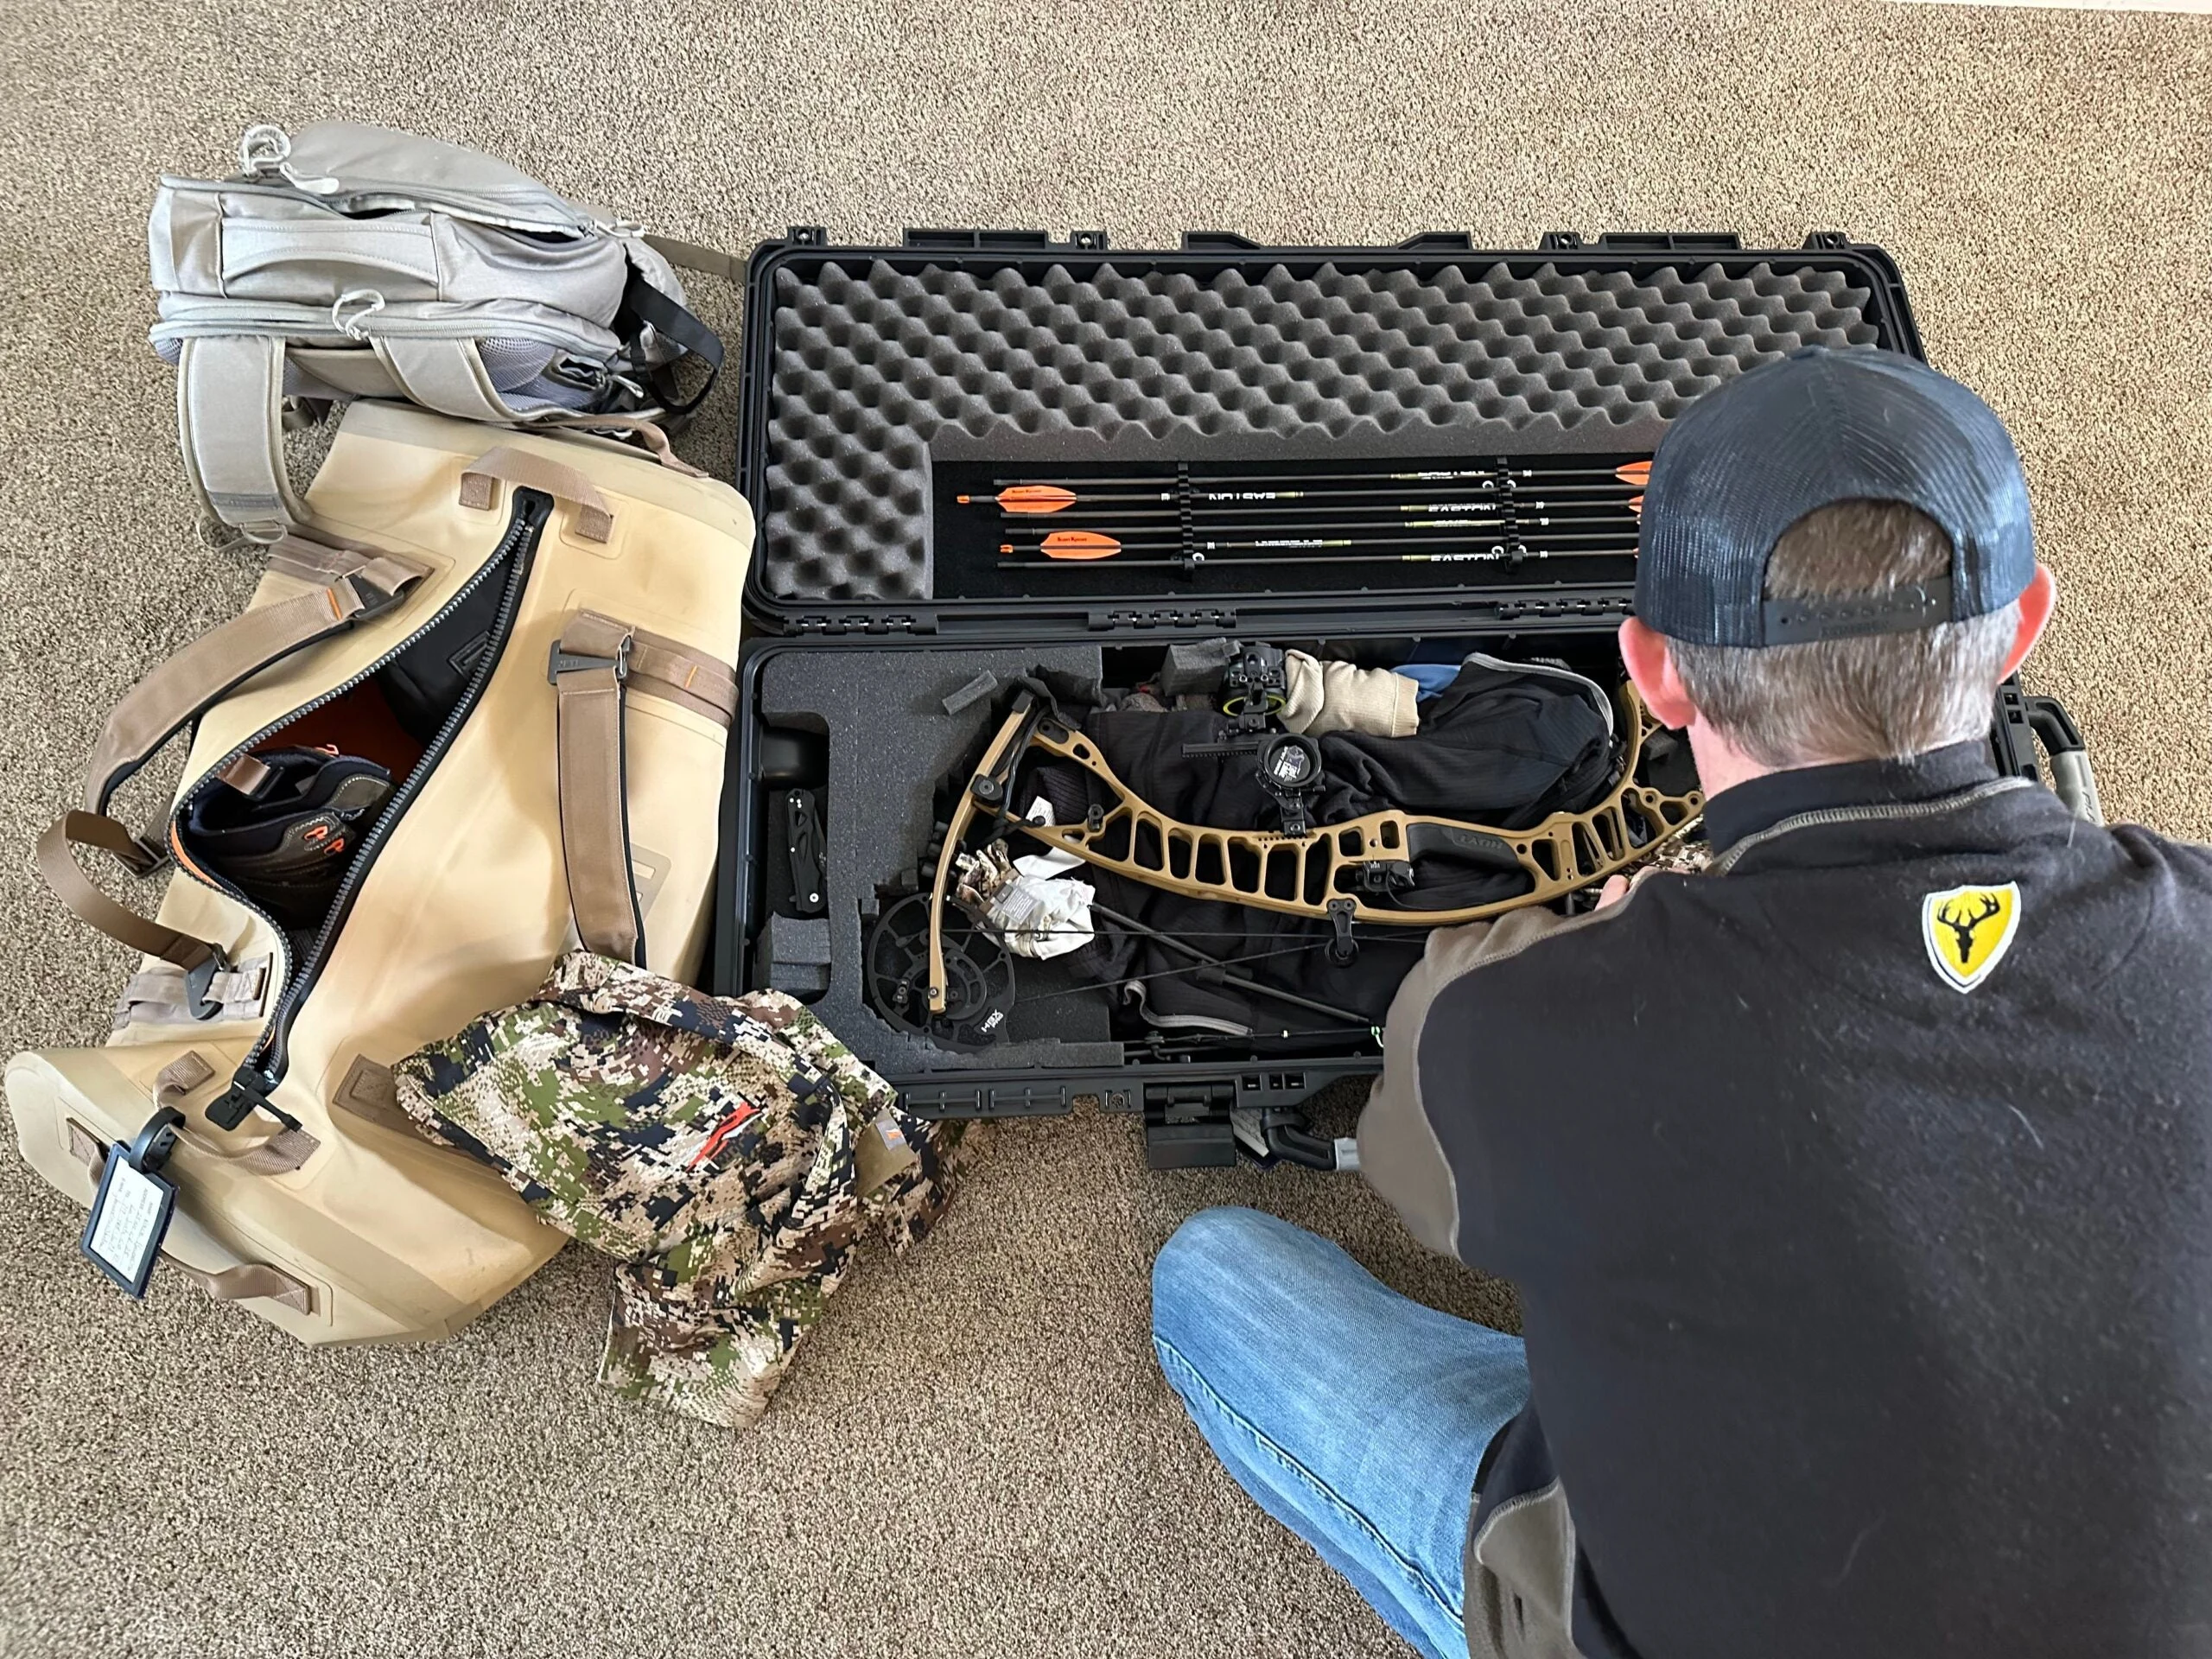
(1168, 1352)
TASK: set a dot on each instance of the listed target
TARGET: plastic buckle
(375, 602)
(249, 1093)
(150, 857)
(198, 980)
(571, 662)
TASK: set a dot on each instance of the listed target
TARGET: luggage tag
(132, 1210)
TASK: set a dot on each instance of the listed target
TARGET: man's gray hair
(1879, 698)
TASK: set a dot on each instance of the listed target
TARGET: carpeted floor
(976, 1456)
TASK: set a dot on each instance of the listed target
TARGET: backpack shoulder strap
(229, 392)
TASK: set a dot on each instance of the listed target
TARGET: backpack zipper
(265, 1067)
(366, 198)
(311, 325)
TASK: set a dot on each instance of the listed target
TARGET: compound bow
(1359, 870)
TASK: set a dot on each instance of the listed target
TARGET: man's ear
(1652, 667)
(2037, 600)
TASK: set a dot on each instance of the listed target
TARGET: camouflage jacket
(727, 1153)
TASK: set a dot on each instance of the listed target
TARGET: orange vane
(1072, 544)
(1026, 498)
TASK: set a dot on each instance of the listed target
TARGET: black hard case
(1186, 1102)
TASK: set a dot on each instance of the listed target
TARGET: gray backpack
(349, 261)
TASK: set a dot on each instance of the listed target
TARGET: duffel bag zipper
(264, 1068)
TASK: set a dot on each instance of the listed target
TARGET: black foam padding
(875, 369)
(891, 744)
(793, 955)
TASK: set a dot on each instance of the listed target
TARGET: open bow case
(1151, 649)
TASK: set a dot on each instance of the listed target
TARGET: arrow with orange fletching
(1084, 546)
(1036, 499)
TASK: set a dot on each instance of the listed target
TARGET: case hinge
(1839, 240)
(1643, 242)
(985, 1100)
(1516, 610)
(1218, 621)
(1670, 242)
(926, 236)
(820, 624)
(807, 236)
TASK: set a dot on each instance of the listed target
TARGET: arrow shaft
(1401, 515)
(1482, 556)
(1503, 466)
(1090, 546)
(1063, 502)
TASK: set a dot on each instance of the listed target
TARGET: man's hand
(1613, 892)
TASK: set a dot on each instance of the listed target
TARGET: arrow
(1633, 472)
(1482, 510)
(1040, 498)
(1476, 556)
(1083, 545)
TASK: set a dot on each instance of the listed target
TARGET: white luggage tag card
(132, 1209)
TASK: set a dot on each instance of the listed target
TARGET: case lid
(880, 386)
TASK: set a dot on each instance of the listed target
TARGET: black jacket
(1867, 1315)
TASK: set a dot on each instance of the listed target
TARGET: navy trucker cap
(1746, 461)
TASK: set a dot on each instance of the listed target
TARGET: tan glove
(1339, 697)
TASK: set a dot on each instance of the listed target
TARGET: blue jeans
(1355, 1417)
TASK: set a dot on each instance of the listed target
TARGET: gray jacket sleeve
(1399, 1152)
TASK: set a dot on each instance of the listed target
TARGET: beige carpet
(976, 1456)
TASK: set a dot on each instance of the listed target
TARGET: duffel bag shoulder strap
(354, 583)
(597, 663)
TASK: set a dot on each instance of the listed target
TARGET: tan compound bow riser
(1317, 874)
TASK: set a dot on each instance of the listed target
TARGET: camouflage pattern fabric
(715, 1148)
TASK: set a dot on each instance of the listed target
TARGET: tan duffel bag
(529, 640)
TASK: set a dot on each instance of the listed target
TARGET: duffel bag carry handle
(366, 584)
(590, 671)
(597, 663)
(244, 1282)
(480, 478)
(201, 959)
(357, 583)
(650, 435)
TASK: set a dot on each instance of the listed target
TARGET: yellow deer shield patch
(1969, 929)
